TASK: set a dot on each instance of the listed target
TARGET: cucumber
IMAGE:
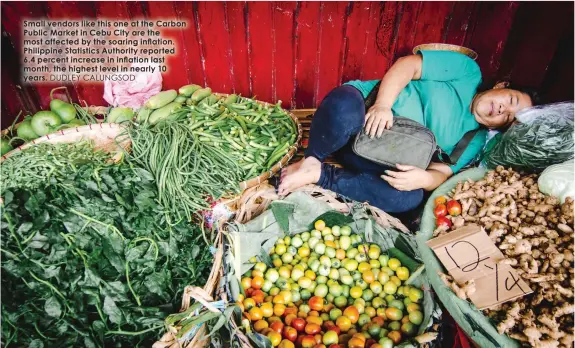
(188, 90)
(201, 94)
(161, 99)
(143, 114)
(163, 113)
(181, 99)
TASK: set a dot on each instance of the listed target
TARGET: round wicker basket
(446, 47)
(282, 162)
(257, 199)
(104, 136)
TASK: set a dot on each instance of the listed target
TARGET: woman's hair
(532, 92)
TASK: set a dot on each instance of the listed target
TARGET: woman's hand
(377, 119)
(408, 179)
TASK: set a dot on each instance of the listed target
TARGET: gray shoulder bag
(407, 142)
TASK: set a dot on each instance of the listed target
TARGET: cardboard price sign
(468, 253)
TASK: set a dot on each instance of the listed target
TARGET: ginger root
(535, 233)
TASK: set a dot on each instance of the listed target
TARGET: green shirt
(441, 100)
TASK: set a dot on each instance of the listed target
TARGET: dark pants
(335, 123)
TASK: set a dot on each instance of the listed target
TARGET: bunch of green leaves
(46, 162)
(90, 260)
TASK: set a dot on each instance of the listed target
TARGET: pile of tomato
(444, 208)
(329, 289)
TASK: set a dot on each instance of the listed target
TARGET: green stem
(133, 333)
(48, 284)
(110, 227)
(130, 284)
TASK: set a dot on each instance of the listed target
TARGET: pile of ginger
(535, 233)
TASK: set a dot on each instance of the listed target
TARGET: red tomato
(312, 329)
(440, 200)
(454, 208)
(316, 303)
(443, 221)
(307, 341)
(440, 210)
(298, 324)
(277, 326)
(289, 333)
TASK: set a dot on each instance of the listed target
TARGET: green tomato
(321, 290)
(6, 147)
(66, 112)
(336, 230)
(386, 342)
(45, 122)
(76, 123)
(345, 230)
(25, 130)
(340, 301)
(383, 259)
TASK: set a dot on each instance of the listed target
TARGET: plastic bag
(557, 180)
(544, 137)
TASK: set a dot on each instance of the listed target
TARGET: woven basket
(203, 295)
(102, 134)
(446, 47)
(282, 162)
(257, 199)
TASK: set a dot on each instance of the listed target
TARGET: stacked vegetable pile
(199, 146)
(328, 287)
(61, 115)
(88, 257)
(534, 232)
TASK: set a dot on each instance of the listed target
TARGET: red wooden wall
(298, 51)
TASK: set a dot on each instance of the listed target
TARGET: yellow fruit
(402, 273)
(364, 266)
(368, 276)
(396, 280)
(304, 282)
(310, 274)
(393, 263)
(355, 292)
(319, 225)
(280, 249)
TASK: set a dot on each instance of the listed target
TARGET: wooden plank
(261, 49)
(196, 71)
(330, 58)
(381, 47)
(490, 34)
(284, 44)
(406, 32)
(12, 31)
(236, 18)
(558, 82)
(90, 92)
(355, 39)
(432, 22)
(215, 46)
(462, 18)
(307, 40)
(178, 69)
(533, 41)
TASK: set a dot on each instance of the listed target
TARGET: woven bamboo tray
(257, 199)
(446, 47)
(283, 161)
(104, 136)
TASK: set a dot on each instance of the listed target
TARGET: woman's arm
(401, 72)
(379, 116)
(411, 178)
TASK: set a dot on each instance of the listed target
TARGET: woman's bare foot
(308, 172)
(291, 168)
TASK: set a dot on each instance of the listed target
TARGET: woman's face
(496, 108)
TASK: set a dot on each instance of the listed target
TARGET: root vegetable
(535, 232)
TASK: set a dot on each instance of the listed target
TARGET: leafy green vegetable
(44, 162)
(89, 259)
